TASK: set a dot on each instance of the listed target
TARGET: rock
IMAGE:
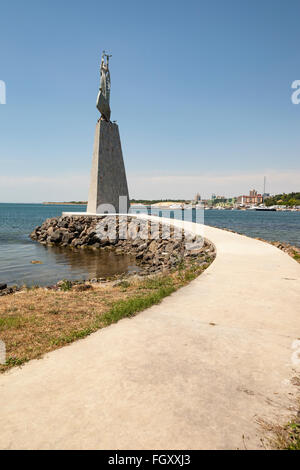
(3, 286)
(142, 247)
(82, 287)
(8, 290)
(95, 246)
(196, 252)
(76, 242)
(56, 237)
(169, 247)
(67, 237)
(155, 246)
(62, 224)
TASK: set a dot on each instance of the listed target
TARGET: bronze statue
(104, 91)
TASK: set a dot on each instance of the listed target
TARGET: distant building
(253, 198)
(213, 196)
(197, 198)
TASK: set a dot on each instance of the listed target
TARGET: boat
(266, 209)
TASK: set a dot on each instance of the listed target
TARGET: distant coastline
(72, 203)
(133, 202)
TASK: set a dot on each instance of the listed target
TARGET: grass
(129, 307)
(66, 285)
(7, 322)
(296, 256)
(292, 438)
(283, 437)
(36, 321)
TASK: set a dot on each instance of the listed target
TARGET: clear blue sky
(201, 91)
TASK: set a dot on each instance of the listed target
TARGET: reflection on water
(17, 251)
(93, 263)
(59, 263)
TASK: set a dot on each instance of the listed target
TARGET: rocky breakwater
(157, 247)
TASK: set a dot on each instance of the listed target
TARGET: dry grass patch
(288, 437)
(282, 437)
(38, 320)
(34, 322)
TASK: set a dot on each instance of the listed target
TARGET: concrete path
(195, 372)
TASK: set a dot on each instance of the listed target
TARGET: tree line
(290, 199)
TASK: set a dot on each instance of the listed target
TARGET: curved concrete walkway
(195, 372)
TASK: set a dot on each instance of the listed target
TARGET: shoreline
(292, 250)
(172, 208)
(64, 203)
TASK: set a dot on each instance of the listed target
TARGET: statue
(108, 187)
(104, 91)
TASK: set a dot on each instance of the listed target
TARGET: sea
(17, 250)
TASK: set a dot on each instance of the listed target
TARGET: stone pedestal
(108, 177)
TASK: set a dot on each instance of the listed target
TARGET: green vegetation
(294, 436)
(15, 361)
(219, 201)
(296, 256)
(129, 307)
(7, 322)
(74, 335)
(290, 200)
(66, 285)
(224, 202)
(288, 437)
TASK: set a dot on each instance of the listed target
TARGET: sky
(201, 91)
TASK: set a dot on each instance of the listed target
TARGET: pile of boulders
(4, 289)
(156, 246)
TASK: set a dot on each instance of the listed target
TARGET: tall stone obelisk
(108, 186)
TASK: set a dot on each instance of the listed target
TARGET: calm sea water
(17, 250)
(273, 226)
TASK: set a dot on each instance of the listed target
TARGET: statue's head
(104, 63)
